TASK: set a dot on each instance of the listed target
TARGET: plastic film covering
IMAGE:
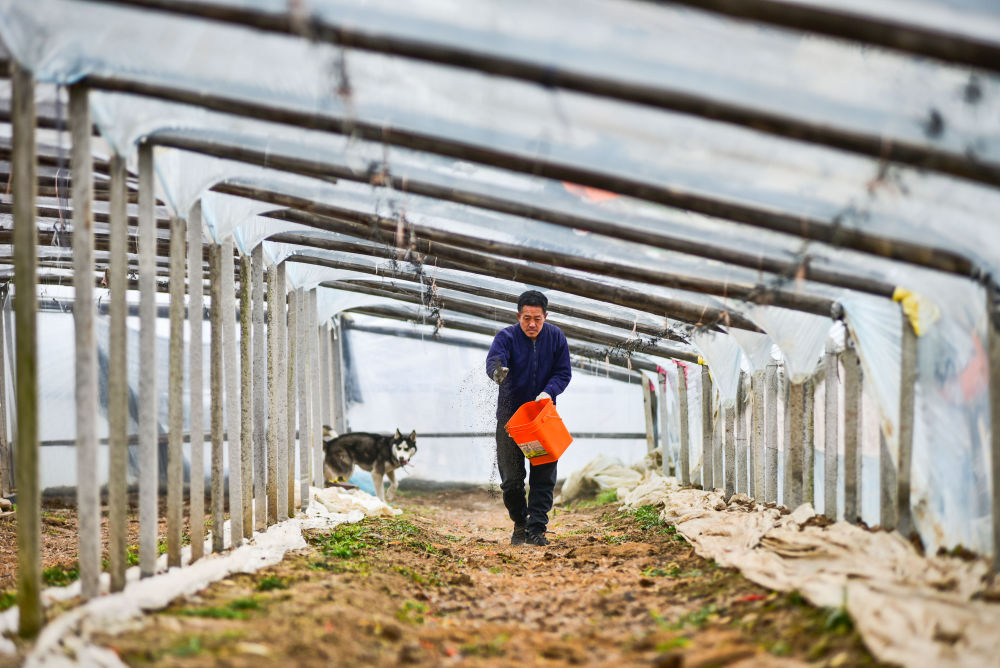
(725, 358)
(884, 93)
(226, 215)
(758, 348)
(801, 337)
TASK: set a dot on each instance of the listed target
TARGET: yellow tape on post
(921, 311)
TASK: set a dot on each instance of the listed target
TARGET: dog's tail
(328, 432)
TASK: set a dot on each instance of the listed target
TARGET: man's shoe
(537, 539)
(519, 535)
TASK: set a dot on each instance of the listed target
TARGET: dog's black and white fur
(380, 454)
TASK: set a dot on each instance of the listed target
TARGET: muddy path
(440, 585)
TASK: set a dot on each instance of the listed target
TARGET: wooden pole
(234, 417)
(175, 392)
(88, 481)
(771, 434)
(707, 465)
(312, 334)
(685, 420)
(216, 407)
(831, 436)
(292, 377)
(664, 424)
(196, 401)
(259, 389)
(647, 407)
(246, 397)
(29, 511)
(852, 432)
(907, 391)
(304, 400)
(272, 403)
(148, 419)
(117, 380)
(279, 320)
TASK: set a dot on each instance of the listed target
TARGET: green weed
(190, 648)
(8, 599)
(647, 517)
(412, 612)
(60, 576)
(696, 619)
(270, 583)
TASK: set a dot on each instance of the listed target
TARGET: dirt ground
(440, 585)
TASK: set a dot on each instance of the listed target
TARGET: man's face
(531, 319)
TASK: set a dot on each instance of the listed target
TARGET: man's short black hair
(532, 298)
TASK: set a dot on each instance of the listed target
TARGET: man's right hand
(500, 374)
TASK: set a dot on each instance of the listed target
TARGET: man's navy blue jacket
(536, 365)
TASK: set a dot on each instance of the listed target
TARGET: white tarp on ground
(909, 609)
(66, 640)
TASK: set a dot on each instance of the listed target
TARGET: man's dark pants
(541, 481)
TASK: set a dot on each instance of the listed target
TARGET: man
(530, 362)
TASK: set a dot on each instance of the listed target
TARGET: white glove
(543, 395)
(500, 374)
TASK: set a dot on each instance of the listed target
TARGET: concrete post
(664, 424)
(312, 333)
(682, 411)
(148, 420)
(216, 407)
(290, 395)
(196, 401)
(280, 389)
(757, 387)
(907, 392)
(831, 435)
(234, 418)
(273, 406)
(175, 394)
(852, 433)
(259, 389)
(117, 378)
(742, 454)
(707, 466)
(84, 311)
(246, 397)
(771, 434)
(304, 399)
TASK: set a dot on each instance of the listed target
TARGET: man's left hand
(543, 395)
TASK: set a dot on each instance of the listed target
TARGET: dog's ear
(398, 433)
(413, 435)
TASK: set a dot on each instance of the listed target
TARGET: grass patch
(235, 609)
(697, 619)
(8, 599)
(270, 583)
(418, 578)
(412, 612)
(648, 517)
(60, 576)
(493, 648)
(611, 539)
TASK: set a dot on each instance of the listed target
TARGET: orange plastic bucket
(539, 431)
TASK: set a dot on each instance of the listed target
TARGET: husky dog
(380, 454)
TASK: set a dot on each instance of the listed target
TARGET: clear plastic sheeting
(224, 215)
(725, 359)
(758, 348)
(801, 337)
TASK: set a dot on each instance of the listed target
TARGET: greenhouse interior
(246, 241)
